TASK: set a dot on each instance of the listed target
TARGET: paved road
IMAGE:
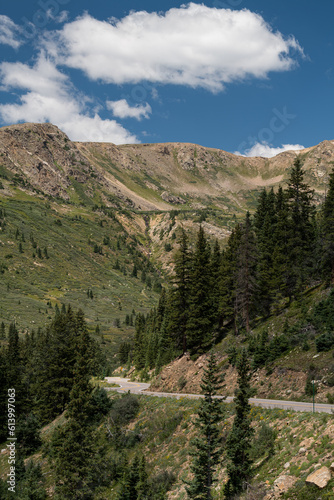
(141, 388)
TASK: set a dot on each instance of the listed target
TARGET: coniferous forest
(271, 259)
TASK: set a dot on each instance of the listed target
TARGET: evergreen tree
(215, 279)
(207, 444)
(280, 258)
(201, 315)
(180, 294)
(2, 331)
(134, 485)
(166, 351)
(301, 243)
(239, 440)
(134, 271)
(265, 220)
(15, 370)
(73, 444)
(139, 342)
(327, 233)
(228, 271)
(245, 279)
(31, 486)
(58, 355)
(3, 399)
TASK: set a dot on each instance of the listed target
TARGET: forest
(270, 259)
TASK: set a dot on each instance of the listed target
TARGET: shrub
(100, 402)
(264, 442)
(124, 409)
(325, 342)
(161, 482)
(28, 434)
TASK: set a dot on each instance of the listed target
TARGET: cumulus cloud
(121, 109)
(50, 97)
(267, 151)
(9, 32)
(194, 45)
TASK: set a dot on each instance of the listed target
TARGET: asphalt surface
(141, 388)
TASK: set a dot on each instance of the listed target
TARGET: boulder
(284, 483)
(320, 477)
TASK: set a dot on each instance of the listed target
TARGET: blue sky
(242, 75)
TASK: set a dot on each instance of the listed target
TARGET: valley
(102, 228)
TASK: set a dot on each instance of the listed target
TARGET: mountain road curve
(141, 388)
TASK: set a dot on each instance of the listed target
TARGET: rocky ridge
(148, 176)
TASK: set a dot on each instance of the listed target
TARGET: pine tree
(201, 314)
(73, 444)
(2, 331)
(228, 270)
(215, 279)
(301, 243)
(14, 367)
(142, 486)
(3, 399)
(280, 258)
(245, 279)
(134, 485)
(32, 483)
(180, 294)
(134, 271)
(238, 444)
(207, 444)
(327, 233)
(54, 362)
(265, 220)
(139, 342)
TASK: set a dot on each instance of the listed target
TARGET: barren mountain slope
(147, 176)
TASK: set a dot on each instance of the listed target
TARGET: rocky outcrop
(320, 477)
(284, 483)
(170, 198)
(43, 158)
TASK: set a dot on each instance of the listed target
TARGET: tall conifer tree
(180, 294)
(238, 444)
(73, 444)
(301, 244)
(201, 314)
(327, 233)
(207, 444)
(265, 221)
(228, 270)
(245, 279)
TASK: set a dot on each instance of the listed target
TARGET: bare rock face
(284, 483)
(170, 198)
(320, 477)
(43, 156)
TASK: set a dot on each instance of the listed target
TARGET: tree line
(270, 259)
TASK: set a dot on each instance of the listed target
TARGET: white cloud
(9, 32)
(194, 45)
(267, 151)
(121, 109)
(49, 96)
(60, 18)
